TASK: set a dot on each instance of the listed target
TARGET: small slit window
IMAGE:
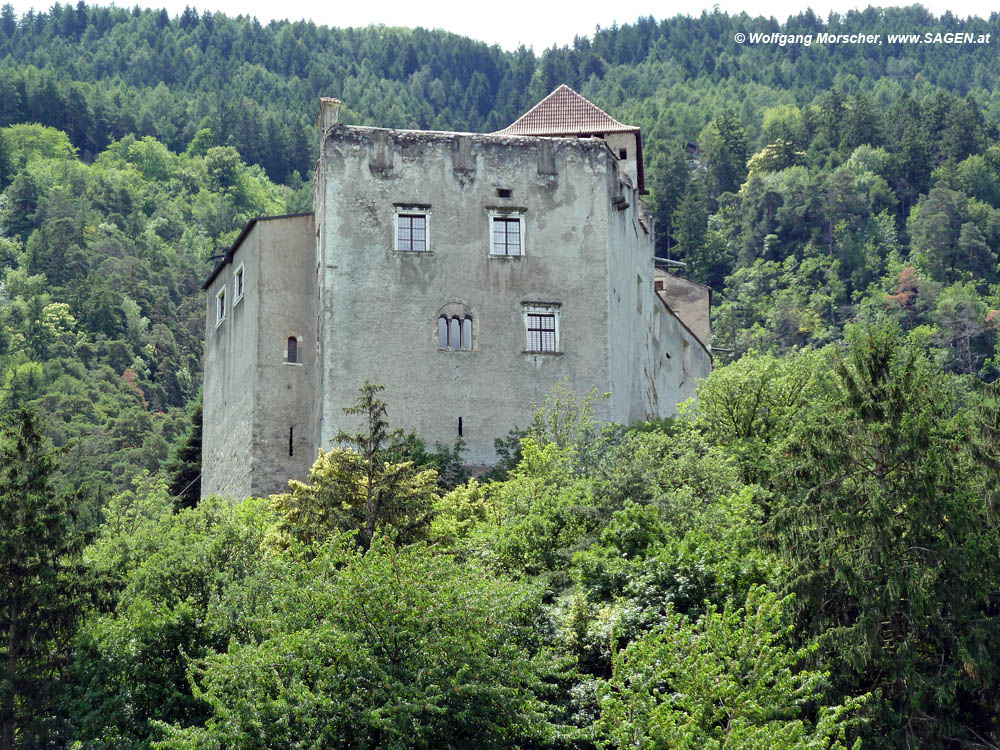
(293, 351)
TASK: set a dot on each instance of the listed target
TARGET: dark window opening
(291, 433)
(293, 349)
(455, 333)
(622, 153)
(504, 192)
(460, 427)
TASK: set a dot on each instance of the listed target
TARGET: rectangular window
(506, 235)
(541, 332)
(541, 327)
(220, 306)
(238, 283)
(411, 232)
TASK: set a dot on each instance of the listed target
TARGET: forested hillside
(804, 559)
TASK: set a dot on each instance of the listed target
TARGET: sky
(511, 22)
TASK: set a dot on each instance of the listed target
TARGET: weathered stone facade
(401, 279)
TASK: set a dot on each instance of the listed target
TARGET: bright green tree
(356, 487)
(727, 680)
(386, 648)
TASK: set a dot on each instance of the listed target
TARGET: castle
(468, 273)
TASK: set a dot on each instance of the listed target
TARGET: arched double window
(455, 328)
(455, 333)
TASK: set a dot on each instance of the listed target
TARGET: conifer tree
(183, 466)
(892, 552)
(357, 487)
(39, 585)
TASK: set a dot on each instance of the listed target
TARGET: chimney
(329, 113)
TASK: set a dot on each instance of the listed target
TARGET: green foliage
(892, 552)
(40, 587)
(727, 679)
(386, 648)
(173, 586)
(30, 141)
(101, 319)
(357, 488)
(183, 464)
(542, 513)
(857, 183)
(751, 406)
(725, 145)
(447, 462)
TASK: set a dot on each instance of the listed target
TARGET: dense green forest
(805, 558)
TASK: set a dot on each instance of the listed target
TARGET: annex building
(468, 273)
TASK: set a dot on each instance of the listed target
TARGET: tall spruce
(40, 549)
(892, 550)
(183, 465)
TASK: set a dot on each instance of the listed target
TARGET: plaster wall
(691, 301)
(655, 359)
(380, 307)
(230, 378)
(251, 397)
(629, 166)
(284, 424)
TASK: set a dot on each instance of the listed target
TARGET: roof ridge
(565, 112)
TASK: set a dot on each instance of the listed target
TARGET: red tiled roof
(565, 112)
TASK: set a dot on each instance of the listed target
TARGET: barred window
(292, 354)
(541, 332)
(411, 232)
(541, 326)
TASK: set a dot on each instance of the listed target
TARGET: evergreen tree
(39, 586)
(690, 222)
(183, 465)
(893, 556)
(725, 146)
(357, 487)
